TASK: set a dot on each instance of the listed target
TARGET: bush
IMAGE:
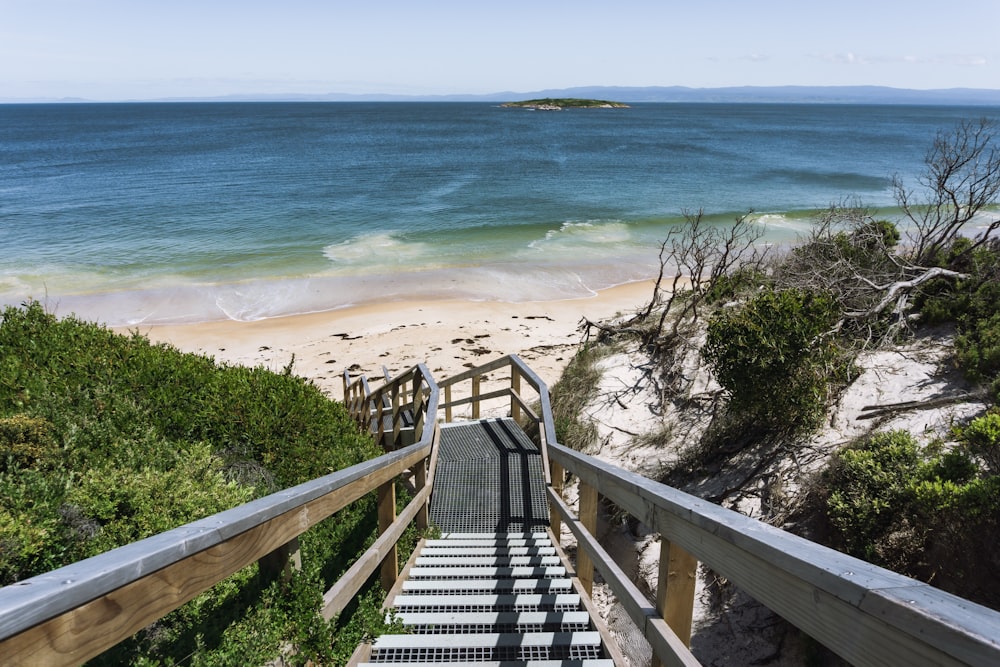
(972, 306)
(774, 357)
(919, 511)
(982, 439)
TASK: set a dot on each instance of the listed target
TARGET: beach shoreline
(449, 336)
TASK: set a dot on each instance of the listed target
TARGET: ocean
(169, 213)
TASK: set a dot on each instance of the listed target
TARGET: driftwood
(874, 411)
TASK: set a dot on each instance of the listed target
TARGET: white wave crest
(587, 235)
(382, 249)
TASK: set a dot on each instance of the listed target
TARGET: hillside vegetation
(746, 351)
(106, 439)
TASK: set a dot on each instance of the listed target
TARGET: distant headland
(560, 103)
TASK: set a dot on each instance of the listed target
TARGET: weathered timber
(866, 614)
(667, 646)
(76, 612)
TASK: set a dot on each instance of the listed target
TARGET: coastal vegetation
(757, 346)
(560, 103)
(106, 439)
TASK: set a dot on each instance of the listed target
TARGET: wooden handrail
(74, 613)
(519, 408)
(865, 614)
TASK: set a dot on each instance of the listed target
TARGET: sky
(148, 49)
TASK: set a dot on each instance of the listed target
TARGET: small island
(558, 104)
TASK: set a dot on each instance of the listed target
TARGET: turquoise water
(132, 213)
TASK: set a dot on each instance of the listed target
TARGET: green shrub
(982, 439)
(775, 358)
(973, 305)
(25, 442)
(926, 513)
(867, 486)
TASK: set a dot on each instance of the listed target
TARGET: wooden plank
(477, 371)
(351, 582)
(515, 398)
(588, 517)
(386, 517)
(825, 593)
(610, 642)
(420, 483)
(529, 375)
(678, 572)
(447, 404)
(53, 605)
(667, 647)
(90, 629)
(475, 397)
(395, 415)
(522, 406)
(555, 519)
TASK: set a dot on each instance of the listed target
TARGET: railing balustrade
(866, 614)
(75, 613)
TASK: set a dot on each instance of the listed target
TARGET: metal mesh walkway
(489, 479)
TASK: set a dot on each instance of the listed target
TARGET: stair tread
(448, 586)
(579, 620)
(492, 550)
(459, 640)
(441, 561)
(490, 602)
(491, 542)
(493, 536)
(479, 573)
(589, 662)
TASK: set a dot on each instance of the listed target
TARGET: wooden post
(379, 402)
(475, 397)
(555, 521)
(417, 405)
(281, 563)
(588, 517)
(447, 404)
(515, 386)
(419, 482)
(675, 588)
(395, 416)
(386, 515)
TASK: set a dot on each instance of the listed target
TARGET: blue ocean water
(130, 213)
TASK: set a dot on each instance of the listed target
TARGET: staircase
(490, 599)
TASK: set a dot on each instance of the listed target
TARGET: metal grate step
(488, 551)
(494, 602)
(447, 560)
(486, 586)
(464, 623)
(529, 663)
(492, 646)
(501, 543)
(489, 478)
(448, 573)
(495, 536)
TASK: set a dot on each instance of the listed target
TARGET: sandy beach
(449, 336)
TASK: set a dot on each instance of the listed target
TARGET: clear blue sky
(134, 49)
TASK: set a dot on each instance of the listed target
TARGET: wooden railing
(538, 425)
(74, 613)
(865, 614)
